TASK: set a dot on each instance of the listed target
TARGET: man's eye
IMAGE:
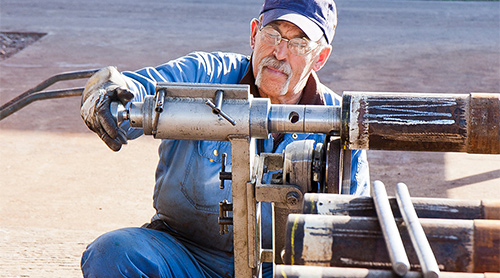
(298, 44)
(274, 36)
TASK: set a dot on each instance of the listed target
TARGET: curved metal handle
(35, 93)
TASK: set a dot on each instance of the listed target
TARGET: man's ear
(254, 26)
(323, 56)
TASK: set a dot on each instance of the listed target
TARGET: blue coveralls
(187, 193)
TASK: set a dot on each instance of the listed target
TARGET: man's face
(281, 75)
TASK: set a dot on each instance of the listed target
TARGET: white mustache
(276, 64)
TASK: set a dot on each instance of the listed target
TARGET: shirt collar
(311, 94)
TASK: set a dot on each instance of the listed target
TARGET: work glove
(102, 88)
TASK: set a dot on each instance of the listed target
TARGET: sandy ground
(61, 187)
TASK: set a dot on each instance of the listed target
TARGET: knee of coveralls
(138, 252)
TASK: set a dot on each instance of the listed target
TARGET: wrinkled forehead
(287, 27)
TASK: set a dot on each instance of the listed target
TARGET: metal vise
(386, 121)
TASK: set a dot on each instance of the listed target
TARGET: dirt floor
(61, 187)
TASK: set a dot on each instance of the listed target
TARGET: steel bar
(289, 271)
(397, 253)
(422, 122)
(335, 204)
(241, 172)
(34, 93)
(419, 240)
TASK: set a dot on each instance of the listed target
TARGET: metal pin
(393, 241)
(217, 107)
(418, 238)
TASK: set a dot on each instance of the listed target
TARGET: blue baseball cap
(315, 17)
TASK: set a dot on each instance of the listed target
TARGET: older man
(290, 41)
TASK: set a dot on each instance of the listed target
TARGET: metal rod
(418, 238)
(34, 93)
(20, 102)
(392, 238)
(219, 95)
(216, 110)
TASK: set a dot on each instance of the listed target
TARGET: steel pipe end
(401, 268)
(431, 274)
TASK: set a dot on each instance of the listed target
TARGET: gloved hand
(102, 88)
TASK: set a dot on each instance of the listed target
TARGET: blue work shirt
(187, 192)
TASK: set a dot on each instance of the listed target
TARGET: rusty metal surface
(491, 209)
(358, 242)
(486, 246)
(421, 122)
(484, 124)
(334, 204)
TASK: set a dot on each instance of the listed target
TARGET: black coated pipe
(335, 204)
(421, 122)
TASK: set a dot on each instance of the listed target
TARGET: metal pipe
(393, 241)
(335, 204)
(419, 240)
(386, 121)
(459, 245)
(34, 93)
(421, 122)
(298, 271)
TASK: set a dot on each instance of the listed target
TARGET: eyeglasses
(298, 46)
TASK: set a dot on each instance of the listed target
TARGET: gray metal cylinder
(259, 114)
(191, 118)
(304, 118)
(185, 115)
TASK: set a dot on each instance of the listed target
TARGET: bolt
(292, 198)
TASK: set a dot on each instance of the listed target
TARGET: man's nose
(281, 50)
